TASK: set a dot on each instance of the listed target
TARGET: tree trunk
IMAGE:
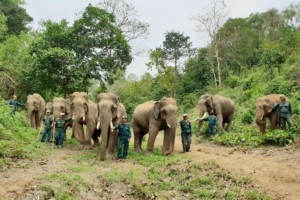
(218, 65)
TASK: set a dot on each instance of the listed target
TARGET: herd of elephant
(149, 117)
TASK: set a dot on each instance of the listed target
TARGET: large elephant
(152, 117)
(223, 108)
(35, 106)
(85, 113)
(110, 112)
(263, 105)
(60, 105)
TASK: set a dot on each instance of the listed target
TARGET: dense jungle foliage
(259, 55)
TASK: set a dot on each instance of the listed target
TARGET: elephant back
(267, 101)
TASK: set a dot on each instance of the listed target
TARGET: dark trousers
(211, 130)
(283, 120)
(46, 134)
(59, 136)
(186, 140)
(123, 146)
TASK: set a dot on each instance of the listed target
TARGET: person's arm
(204, 116)
(129, 133)
(20, 104)
(290, 109)
(273, 108)
(68, 119)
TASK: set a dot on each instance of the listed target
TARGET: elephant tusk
(168, 125)
(111, 126)
(261, 118)
(83, 118)
(98, 125)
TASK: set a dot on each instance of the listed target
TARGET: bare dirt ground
(274, 170)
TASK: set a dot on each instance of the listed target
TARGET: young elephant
(223, 108)
(110, 112)
(35, 106)
(263, 105)
(152, 117)
(85, 113)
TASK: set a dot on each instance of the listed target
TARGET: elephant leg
(273, 120)
(112, 144)
(152, 136)
(220, 121)
(262, 128)
(142, 134)
(88, 136)
(95, 137)
(77, 129)
(137, 139)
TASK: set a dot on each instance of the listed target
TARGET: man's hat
(62, 113)
(184, 115)
(124, 117)
(48, 111)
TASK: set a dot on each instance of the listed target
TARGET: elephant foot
(149, 152)
(88, 147)
(139, 150)
(110, 156)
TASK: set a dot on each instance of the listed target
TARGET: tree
(210, 22)
(126, 19)
(17, 17)
(3, 27)
(99, 45)
(176, 48)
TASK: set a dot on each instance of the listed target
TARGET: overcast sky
(162, 15)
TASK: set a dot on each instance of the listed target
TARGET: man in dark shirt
(48, 123)
(60, 129)
(124, 138)
(212, 123)
(13, 103)
(186, 133)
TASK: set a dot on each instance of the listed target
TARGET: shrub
(278, 137)
(232, 81)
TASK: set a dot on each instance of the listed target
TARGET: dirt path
(276, 171)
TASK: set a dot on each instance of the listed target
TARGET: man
(13, 103)
(124, 138)
(212, 123)
(48, 123)
(284, 110)
(59, 129)
(186, 133)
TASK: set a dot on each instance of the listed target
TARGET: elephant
(110, 112)
(35, 106)
(84, 112)
(152, 117)
(263, 105)
(60, 105)
(223, 108)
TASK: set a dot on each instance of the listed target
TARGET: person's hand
(129, 140)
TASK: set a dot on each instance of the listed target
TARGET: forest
(245, 59)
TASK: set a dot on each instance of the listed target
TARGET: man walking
(13, 103)
(212, 123)
(124, 138)
(48, 124)
(186, 133)
(59, 129)
(284, 110)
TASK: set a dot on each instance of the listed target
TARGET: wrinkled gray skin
(262, 105)
(85, 113)
(110, 112)
(152, 117)
(35, 106)
(60, 105)
(223, 108)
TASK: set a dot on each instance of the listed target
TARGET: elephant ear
(156, 110)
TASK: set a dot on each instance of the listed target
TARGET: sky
(162, 15)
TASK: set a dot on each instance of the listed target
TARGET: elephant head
(79, 106)
(109, 113)
(59, 106)
(165, 111)
(49, 107)
(205, 105)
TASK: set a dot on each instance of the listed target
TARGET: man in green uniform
(13, 103)
(124, 138)
(186, 133)
(284, 110)
(48, 123)
(59, 129)
(212, 123)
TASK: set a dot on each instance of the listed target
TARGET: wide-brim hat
(48, 111)
(184, 115)
(124, 117)
(62, 113)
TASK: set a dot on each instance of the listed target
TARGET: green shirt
(185, 126)
(48, 120)
(212, 120)
(124, 131)
(60, 123)
(284, 108)
(14, 104)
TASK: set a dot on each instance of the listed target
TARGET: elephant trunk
(202, 113)
(169, 137)
(259, 118)
(105, 128)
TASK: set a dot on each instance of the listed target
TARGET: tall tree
(17, 17)
(176, 48)
(210, 22)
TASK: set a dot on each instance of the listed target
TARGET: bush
(232, 81)
(247, 117)
(278, 137)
